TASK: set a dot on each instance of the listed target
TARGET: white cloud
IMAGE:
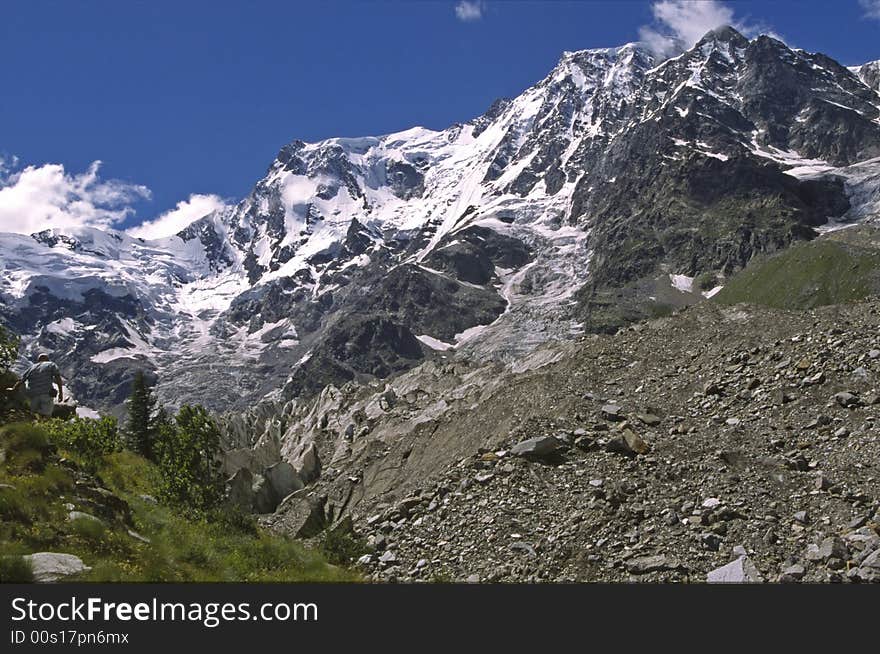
(679, 24)
(173, 221)
(7, 164)
(470, 10)
(871, 7)
(39, 197)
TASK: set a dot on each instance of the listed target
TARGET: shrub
(15, 570)
(234, 520)
(92, 531)
(26, 447)
(188, 453)
(14, 506)
(90, 439)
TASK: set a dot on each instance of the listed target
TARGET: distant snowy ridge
(356, 257)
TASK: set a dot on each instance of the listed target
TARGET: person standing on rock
(39, 379)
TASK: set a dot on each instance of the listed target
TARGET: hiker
(39, 379)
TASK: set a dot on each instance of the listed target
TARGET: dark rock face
(869, 74)
(404, 180)
(93, 384)
(216, 248)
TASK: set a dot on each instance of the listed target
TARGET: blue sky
(193, 97)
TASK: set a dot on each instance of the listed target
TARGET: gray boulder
(846, 399)
(79, 515)
(869, 570)
(235, 460)
(49, 567)
(303, 516)
(830, 548)
(307, 464)
(740, 571)
(540, 446)
(612, 412)
(283, 479)
(654, 563)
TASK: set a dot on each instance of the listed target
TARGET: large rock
(267, 451)
(240, 490)
(49, 567)
(540, 446)
(830, 548)
(265, 499)
(307, 464)
(304, 516)
(654, 563)
(740, 571)
(629, 443)
(612, 412)
(283, 479)
(237, 459)
(869, 570)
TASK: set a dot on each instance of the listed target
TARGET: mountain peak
(722, 36)
(869, 74)
(613, 53)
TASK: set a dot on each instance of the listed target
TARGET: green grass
(15, 570)
(807, 275)
(38, 478)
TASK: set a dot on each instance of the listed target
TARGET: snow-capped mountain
(869, 73)
(593, 198)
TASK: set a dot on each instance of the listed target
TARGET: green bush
(92, 531)
(234, 520)
(26, 447)
(8, 348)
(90, 439)
(188, 453)
(15, 570)
(14, 506)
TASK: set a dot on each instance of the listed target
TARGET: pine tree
(140, 426)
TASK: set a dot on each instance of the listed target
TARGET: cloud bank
(47, 196)
(39, 197)
(173, 221)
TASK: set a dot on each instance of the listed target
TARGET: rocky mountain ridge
(594, 198)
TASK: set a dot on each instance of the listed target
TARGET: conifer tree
(140, 427)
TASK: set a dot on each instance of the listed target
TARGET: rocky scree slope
(588, 201)
(738, 436)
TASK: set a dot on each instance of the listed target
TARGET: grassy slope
(806, 275)
(33, 518)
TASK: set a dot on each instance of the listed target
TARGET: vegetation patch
(807, 275)
(119, 525)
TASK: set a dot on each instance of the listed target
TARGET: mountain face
(869, 73)
(614, 188)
